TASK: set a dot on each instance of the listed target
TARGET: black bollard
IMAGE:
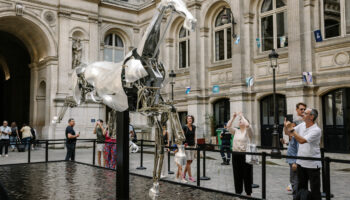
(141, 158)
(29, 152)
(169, 171)
(46, 151)
(198, 167)
(263, 175)
(204, 177)
(122, 174)
(328, 178)
(93, 152)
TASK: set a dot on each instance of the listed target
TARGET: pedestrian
(14, 136)
(189, 131)
(110, 150)
(26, 135)
(293, 149)
(100, 139)
(166, 150)
(33, 139)
(5, 132)
(71, 139)
(242, 171)
(225, 145)
(308, 135)
(132, 133)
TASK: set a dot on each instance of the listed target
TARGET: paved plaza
(221, 176)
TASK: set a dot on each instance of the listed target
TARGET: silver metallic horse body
(135, 83)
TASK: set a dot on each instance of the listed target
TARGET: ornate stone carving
(49, 17)
(77, 50)
(341, 58)
(19, 8)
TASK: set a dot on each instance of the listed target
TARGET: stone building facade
(215, 61)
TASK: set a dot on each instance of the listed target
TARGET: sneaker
(162, 176)
(184, 177)
(228, 162)
(191, 179)
(6, 155)
(183, 181)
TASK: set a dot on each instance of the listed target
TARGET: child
(180, 160)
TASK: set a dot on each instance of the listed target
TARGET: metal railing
(326, 187)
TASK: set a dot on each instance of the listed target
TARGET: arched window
(336, 117)
(184, 48)
(273, 24)
(223, 42)
(221, 112)
(336, 18)
(113, 48)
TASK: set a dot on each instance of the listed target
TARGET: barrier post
(263, 175)
(46, 151)
(93, 152)
(328, 178)
(29, 152)
(204, 177)
(198, 167)
(169, 171)
(141, 158)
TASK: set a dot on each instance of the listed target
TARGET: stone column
(64, 51)
(196, 100)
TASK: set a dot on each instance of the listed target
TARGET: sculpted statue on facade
(77, 51)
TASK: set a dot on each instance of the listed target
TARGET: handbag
(252, 159)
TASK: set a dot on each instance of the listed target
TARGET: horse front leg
(158, 160)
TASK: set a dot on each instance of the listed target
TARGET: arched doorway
(221, 112)
(14, 98)
(336, 120)
(27, 44)
(267, 117)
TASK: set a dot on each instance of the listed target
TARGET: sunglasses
(302, 109)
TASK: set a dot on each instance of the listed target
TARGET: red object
(200, 140)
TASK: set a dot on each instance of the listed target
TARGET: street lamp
(172, 76)
(226, 18)
(273, 56)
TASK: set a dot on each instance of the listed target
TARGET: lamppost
(172, 76)
(227, 17)
(273, 56)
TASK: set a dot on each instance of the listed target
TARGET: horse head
(181, 8)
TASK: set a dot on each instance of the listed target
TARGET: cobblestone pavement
(277, 172)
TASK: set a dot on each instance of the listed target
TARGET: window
(273, 24)
(113, 48)
(221, 112)
(184, 48)
(336, 18)
(223, 39)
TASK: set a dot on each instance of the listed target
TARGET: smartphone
(289, 117)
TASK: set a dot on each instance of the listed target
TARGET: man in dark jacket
(225, 146)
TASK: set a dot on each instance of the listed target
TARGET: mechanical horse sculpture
(135, 84)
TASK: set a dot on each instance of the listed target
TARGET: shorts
(100, 147)
(190, 154)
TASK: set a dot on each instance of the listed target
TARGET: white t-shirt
(312, 147)
(6, 129)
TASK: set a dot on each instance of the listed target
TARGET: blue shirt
(292, 150)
